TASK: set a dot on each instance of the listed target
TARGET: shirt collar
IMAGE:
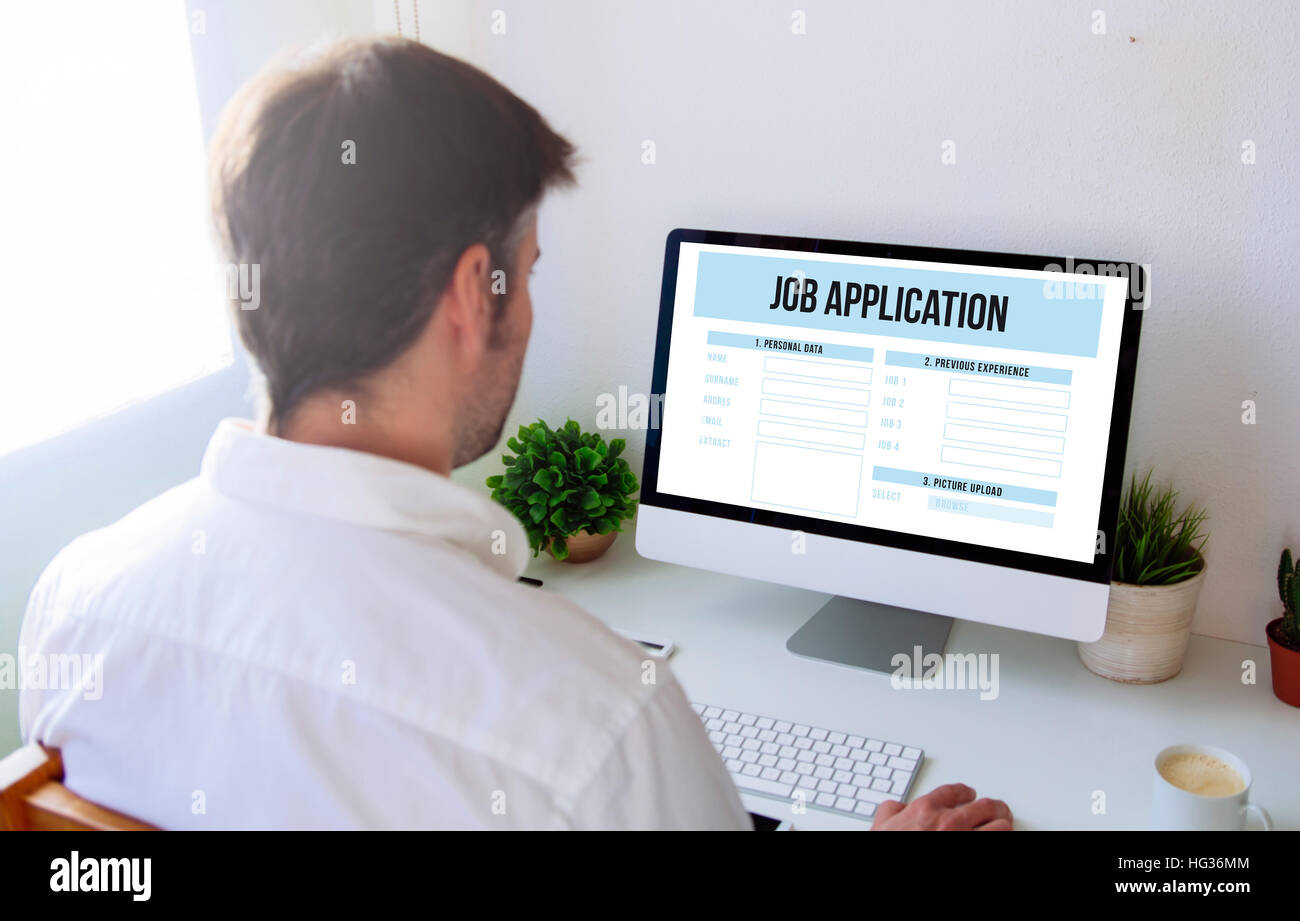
(362, 489)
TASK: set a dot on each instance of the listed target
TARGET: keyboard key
(764, 722)
(903, 764)
(806, 756)
(734, 739)
(751, 770)
(749, 719)
(821, 748)
(913, 753)
(731, 751)
(781, 726)
(749, 732)
(854, 741)
(790, 777)
(767, 760)
(799, 729)
(712, 712)
(803, 767)
(784, 738)
(750, 745)
(808, 782)
(827, 786)
(863, 780)
(769, 748)
(836, 738)
(788, 751)
(734, 765)
(714, 724)
(839, 751)
(749, 757)
(900, 784)
(770, 773)
(730, 715)
(731, 726)
(818, 734)
(884, 786)
(698, 708)
(878, 758)
(825, 760)
(874, 745)
(844, 804)
(880, 771)
(823, 773)
(846, 789)
(843, 764)
(893, 748)
(803, 742)
(858, 754)
(786, 764)
(759, 785)
(841, 777)
(866, 794)
(766, 735)
(825, 799)
(716, 737)
(865, 809)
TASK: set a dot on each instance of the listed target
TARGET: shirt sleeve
(662, 774)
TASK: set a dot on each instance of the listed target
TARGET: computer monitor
(924, 433)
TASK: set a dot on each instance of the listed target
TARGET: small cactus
(1288, 587)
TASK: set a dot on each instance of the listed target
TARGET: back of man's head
(355, 176)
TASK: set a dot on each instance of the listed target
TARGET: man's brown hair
(354, 255)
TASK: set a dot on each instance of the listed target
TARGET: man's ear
(467, 304)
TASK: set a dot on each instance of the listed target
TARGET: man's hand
(948, 808)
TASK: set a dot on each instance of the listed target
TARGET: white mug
(1175, 809)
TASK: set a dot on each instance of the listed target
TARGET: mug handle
(1261, 813)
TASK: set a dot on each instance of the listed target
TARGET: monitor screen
(953, 402)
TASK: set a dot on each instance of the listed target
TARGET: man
(322, 629)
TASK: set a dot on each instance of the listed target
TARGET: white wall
(1124, 145)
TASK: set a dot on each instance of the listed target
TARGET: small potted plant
(1284, 634)
(1157, 577)
(569, 489)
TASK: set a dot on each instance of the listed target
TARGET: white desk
(1055, 734)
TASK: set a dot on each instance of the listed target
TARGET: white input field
(1052, 444)
(810, 413)
(807, 479)
(827, 393)
(1010, 393)
(991, 460)
(1002, 415)
(830, 437)
(847, 373)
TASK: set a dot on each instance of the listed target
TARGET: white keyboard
(835, 771)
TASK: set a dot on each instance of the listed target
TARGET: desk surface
(1054, 735)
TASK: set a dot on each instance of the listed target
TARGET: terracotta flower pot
(1147, 631)
(1286, 665)
(585, 547)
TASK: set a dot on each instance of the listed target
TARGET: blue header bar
(925, 304)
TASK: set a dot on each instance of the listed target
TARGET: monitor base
(864, 634)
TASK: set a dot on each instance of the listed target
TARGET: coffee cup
(1202, 788)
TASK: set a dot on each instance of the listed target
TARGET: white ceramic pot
(1147, 630)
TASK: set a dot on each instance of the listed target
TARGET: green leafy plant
(1154, 543)
(1288, 587)
(564, 480)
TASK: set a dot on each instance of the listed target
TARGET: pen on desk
(525, 579)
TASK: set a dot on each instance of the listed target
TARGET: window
(111, 291)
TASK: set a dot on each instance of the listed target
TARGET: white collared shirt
(312, 637)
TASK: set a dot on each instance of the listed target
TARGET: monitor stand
(868, 635)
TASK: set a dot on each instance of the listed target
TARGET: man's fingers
(996, 825)
(886, 811)
(975, 814)
(948, 796)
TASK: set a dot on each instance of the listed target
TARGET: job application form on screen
(966, 403)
